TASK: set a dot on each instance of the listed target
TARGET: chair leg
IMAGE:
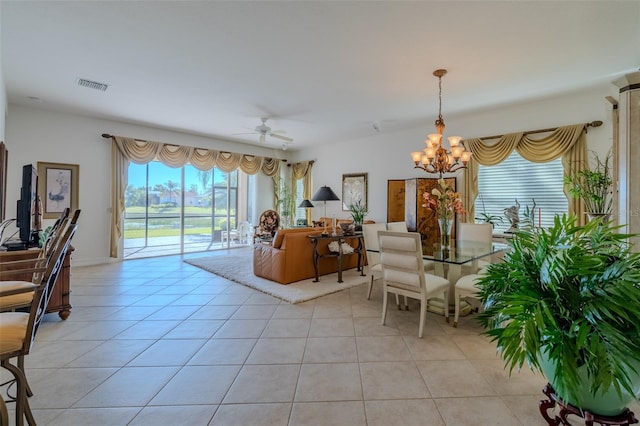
(423, 315)
(456, 315)
(446, 305)
(370, 287)
(22, 402)
(384, 305)
(4, 413)
(21, 367)
(398, 302)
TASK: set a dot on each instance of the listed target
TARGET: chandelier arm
(455, 169)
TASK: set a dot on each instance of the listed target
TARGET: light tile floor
(160, 342)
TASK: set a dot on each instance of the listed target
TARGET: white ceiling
(323, 71)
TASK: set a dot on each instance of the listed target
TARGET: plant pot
(607, 403)
(605, 217)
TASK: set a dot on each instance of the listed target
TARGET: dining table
(448, 261)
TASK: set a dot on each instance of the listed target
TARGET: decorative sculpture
(512, 213)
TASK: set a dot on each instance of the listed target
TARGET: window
(516, 178)
(178, 210)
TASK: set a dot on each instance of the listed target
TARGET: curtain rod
(596, 123)
(108, 136)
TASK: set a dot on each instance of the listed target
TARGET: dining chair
(465, 288)
(373, 267)
(477, 232)
(397, 226)
(403, 273)
(429, 265)
(18, 329)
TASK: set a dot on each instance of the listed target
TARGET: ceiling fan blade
(245, 133)
(284, 138)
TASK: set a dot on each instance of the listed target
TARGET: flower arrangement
(443, 200)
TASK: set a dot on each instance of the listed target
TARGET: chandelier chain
(435, 158)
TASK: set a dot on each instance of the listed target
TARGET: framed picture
(57, 188)
(354, 189)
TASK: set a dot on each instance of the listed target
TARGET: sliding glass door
(172, 211)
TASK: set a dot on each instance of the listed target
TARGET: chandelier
(435, 158)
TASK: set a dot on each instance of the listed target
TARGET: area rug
(239, 268)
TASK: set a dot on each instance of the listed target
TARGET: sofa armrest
(268, 262)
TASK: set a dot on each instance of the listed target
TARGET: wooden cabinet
(405, 200)
(59, 301)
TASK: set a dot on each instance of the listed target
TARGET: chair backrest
(370, 236)
(269, 221)
(55, 233)
(482, 232)
(43, 292)
(401, 259)
(397, 226)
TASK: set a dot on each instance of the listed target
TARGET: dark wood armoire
(405, 200)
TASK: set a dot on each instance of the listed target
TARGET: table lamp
(325, 194)
(305, 204)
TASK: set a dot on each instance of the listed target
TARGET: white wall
(34, 135)
(3, 91)
(386, 155)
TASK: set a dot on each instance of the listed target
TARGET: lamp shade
(305, 203)
(325, 194)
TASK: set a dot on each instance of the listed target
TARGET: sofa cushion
(280, 234)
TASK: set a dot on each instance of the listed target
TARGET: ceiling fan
(263, 130)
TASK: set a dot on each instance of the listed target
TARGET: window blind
(516, 178)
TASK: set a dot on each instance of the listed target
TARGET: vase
(445, 224)
(605, 217)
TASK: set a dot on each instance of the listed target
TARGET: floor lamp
(325, 194)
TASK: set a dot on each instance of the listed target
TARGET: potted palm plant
(566, 301)
(358, 211)
(594, 185)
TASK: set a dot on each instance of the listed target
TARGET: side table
(339, 254)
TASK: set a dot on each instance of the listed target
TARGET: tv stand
(59, 301)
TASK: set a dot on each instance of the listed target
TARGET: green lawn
(165, 232)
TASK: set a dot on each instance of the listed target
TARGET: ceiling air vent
(92, 84)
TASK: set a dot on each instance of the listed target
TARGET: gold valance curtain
(568, 142)
(124, 150)
(303, 171)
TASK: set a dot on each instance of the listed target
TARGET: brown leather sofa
(289, 257)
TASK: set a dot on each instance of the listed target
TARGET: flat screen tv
(28, 194)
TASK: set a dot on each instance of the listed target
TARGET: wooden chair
(23, 299)
(403, 272)
(267, 225)
(18, 329)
